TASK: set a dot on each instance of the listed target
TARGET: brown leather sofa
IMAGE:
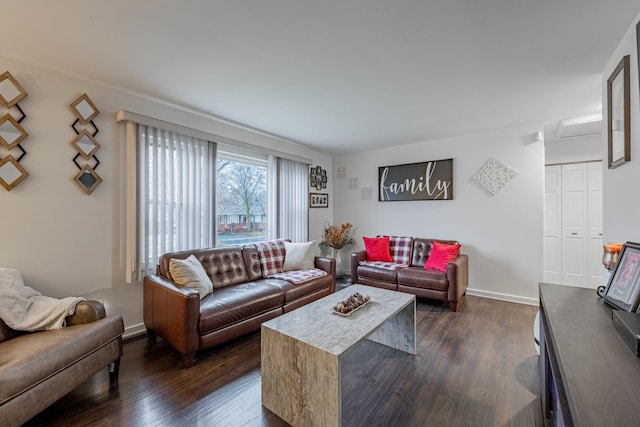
(38, 368)
(241, 300)
(447, 286)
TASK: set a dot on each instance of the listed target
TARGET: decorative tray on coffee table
(352, 304)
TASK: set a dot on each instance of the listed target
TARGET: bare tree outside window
(241, 202)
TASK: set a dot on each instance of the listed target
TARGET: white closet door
(594, 244)
(552, 272)
(574, 224)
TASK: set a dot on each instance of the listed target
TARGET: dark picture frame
(317, 177)
(623, 288)
(318, 200)
(619, 114)
(638, 49)
(430, 180)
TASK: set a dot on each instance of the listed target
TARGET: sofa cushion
(190, 273)
(377, 248)
(31, 358)
(271, 256)
(233, 304)
(293, 292)
(378, 274)
(418, 277)
(298, 256)
(441, 255)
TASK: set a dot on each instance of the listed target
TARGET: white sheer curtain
(175, 195)
(293, 200)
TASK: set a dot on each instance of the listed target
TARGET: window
(175, 195)
(182, 194)
(241, 199)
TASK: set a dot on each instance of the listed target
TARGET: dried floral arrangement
(337, 238)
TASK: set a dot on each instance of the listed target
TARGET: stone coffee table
(302, 351)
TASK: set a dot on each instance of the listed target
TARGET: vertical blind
(176, 195)
(293, 200)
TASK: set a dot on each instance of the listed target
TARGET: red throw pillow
(377, 248)
(441, 255)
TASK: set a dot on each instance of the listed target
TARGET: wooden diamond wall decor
(85, 143)
(11, 132)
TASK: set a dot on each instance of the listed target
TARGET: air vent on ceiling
(580, 126)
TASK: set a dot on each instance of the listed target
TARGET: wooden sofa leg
(453, 306)
(114, 370)
(188, 359)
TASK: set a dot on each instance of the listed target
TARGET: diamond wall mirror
(11, 133)
(11, 172)
(84, 109)
(85, 144)
(10, 90)
(87, 179)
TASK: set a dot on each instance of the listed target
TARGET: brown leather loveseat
(448, 286)
(241, 301)
(38, 368)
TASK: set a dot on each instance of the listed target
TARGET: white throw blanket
(25, 309)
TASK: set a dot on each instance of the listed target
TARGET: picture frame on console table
(623, 288)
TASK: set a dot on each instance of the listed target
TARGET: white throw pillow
(190, 273)
(298, 256)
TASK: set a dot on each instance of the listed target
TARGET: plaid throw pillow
(271, 256)
(399, 248)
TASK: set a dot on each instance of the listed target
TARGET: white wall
(502, 234)
(68, 243)
(575, 149)
(621, 214)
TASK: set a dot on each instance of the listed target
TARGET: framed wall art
(318, 177)
(619, 115)
(318, 200)
(432, 180)
(623, 288)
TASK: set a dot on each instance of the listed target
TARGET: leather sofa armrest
(356, 257)
(458, 277)
(86, 312)
(328, 265)
(173, 312)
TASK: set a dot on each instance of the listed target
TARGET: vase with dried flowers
(334, 240)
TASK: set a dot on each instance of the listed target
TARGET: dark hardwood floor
(476, 367)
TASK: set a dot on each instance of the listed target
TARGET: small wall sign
(432, 180)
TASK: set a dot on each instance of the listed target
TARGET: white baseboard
(134, 331)
(503, 297)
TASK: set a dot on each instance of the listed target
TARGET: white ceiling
(338, 75)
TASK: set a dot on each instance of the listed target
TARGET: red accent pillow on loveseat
(377, 248)
(441, 255)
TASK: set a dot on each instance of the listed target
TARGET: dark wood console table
(589, 376)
